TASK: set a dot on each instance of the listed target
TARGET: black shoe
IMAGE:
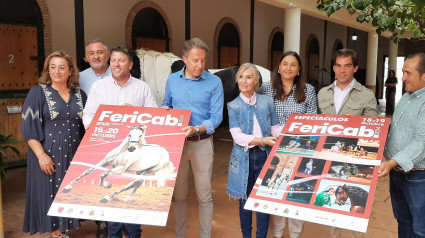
(102, 230)
(124, 229)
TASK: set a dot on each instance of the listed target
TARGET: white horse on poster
(132, 155)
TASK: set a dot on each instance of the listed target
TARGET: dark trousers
(114, 229)
(390, 102)
(257, 158)
(407, 192)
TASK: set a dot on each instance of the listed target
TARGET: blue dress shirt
(88, 77)
(203, 96)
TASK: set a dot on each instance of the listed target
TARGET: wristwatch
(197, 129)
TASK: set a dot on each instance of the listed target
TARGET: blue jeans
(408, 200)
(257, 158)
(114, 229)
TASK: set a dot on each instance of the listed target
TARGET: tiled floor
(226, 218)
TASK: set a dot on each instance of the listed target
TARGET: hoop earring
(278, 71)
(298, 74)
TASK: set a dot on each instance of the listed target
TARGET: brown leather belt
(198, 137)
(400, 170)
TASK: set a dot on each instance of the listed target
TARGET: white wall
(111, 26)
(62, 17)
(205, 16)
(266, 19)
(175, 12)
(106, 19)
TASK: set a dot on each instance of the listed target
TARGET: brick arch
(217, 34)
(336, 42)
(132, 14)
(47, 31)
(309, 39)
(269, 48)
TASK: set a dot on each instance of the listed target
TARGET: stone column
(292, 30)
(372, 56)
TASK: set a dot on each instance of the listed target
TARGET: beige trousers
(278, 223)
(337, 233)
(197, 155)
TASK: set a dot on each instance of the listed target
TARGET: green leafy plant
(396, 16)
(5, 143)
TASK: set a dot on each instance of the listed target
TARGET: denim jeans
(114, 229)
(408, 200)
(257, 158)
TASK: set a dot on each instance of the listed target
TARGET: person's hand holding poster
(125, 167)
(323, 169)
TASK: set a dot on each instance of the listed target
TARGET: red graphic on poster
(125, 167)
(323, 169)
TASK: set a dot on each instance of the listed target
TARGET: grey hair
(96, 41)
(254, 69)
(194, 42)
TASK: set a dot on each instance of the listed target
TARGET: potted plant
(5, 143)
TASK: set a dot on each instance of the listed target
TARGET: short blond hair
(254, 69)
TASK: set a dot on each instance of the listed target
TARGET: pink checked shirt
(106, 91)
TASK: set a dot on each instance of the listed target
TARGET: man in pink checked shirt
(119, 89)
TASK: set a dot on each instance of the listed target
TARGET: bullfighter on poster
(323, 169)
(125, 167)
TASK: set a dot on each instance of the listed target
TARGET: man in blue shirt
(405, 151)
(97, 56)
(197, 90)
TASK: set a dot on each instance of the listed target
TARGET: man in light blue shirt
(197, 90)
(405, 151)
(97, 56)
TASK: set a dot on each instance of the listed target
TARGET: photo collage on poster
(322, 177)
